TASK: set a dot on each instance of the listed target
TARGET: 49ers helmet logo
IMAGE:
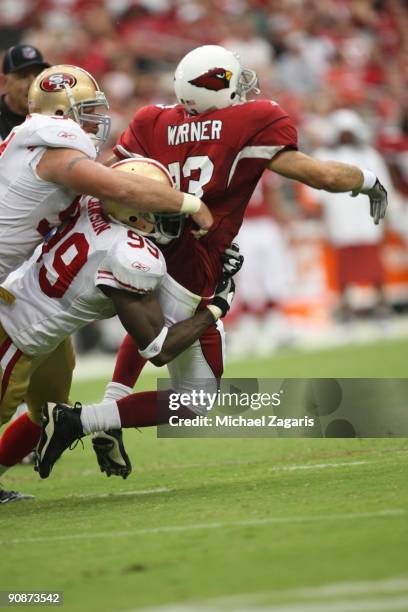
(56, 82)
(214, 79)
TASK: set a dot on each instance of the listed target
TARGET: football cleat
(60, 427)
(12, 496)
(28, 459)
(111, 454)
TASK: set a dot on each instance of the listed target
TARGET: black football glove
(378, 200)
(232, 260)
(222, 300)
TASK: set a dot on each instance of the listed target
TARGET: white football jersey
(29, 206)
(58, 292)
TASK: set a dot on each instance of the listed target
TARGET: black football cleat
(111, 454)
(12, 496)
(60, 427)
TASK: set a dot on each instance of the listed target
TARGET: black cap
(21, 56)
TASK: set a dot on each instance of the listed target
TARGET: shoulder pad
(149, 110)
(269, 110)
(139, 270)
(58, 132)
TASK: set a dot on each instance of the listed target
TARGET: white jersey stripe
(7, 357)
(257, 152)
(8, 361)
(113, 282)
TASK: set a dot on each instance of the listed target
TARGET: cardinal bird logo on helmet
(214, 79)
(56, 82)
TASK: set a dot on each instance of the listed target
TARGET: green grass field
(298, 525)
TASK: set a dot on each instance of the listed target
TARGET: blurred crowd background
(315, 264)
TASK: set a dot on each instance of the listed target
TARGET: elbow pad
(155, 346)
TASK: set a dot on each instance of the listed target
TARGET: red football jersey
(219, 156)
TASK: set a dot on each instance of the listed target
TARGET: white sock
(97, 417)
(3, 469)
(116, 391)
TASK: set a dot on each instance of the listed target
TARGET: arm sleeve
(130, 269)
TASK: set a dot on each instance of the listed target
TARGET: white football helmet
(72, 92)
(212, 77)
(160, 227)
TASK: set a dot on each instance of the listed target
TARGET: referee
(21, 64)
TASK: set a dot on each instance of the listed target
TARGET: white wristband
(369, 180)
(191, 204)
(215, 311)
(155, 346)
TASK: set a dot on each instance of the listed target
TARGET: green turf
(92, 547)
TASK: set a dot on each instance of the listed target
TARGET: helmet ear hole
(59, 112)
(233, 95)
(133, 219)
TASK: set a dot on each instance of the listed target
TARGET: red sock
(129, 363)
(19, 438)
(138, 409)
(146, 409)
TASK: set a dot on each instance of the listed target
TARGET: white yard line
(388, 604)
(387, 513)
(317, 466)
(277, 468)
(120, 493)
(387, 586)
(396, 586)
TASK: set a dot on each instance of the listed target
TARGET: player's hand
(204, 219)
(378, 200)
(232, 260)
(224, 294)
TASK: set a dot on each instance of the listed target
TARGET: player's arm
(112, 159)
(72, 169)
(142, 317)
(332, 176)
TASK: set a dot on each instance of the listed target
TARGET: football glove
(222, 300)
(378, 200)
(232, 260)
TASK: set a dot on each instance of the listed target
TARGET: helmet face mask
(70, 91)
(168, 227)
(211, 77)
(248, 81)
(86, 120)
(160, 227)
